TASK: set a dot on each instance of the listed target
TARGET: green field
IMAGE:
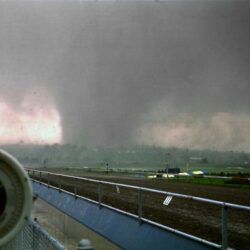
(239, 177)
(215, 169)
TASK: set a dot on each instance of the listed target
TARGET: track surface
(197, 218)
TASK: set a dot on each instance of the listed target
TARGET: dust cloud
(133, 72)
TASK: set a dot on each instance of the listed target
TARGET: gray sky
(174, 73)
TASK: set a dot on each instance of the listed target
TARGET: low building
(170, 170)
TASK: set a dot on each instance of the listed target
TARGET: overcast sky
(173, 73)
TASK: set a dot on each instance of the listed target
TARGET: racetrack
(196, 218)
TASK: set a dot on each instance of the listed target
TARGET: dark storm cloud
(110, 65)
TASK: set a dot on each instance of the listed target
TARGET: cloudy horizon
(173, 73)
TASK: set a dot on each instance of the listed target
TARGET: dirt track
(197, 218)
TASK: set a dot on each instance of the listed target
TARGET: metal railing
(224, 205)
(33, 237)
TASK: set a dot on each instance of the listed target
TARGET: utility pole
(167, 162)
(107, 168)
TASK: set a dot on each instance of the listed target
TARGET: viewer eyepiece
(15, 197)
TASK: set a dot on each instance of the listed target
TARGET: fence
(33, 237)
(49, 179)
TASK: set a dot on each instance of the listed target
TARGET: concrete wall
(65, 229)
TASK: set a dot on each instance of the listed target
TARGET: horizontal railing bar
(190, 197)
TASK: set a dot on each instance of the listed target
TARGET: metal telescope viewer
(15, 197)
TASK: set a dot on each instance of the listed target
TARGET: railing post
(60, 185)
(75, 191)
(48, 180)
(224, 217)
(139, 204)
(99, 194)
